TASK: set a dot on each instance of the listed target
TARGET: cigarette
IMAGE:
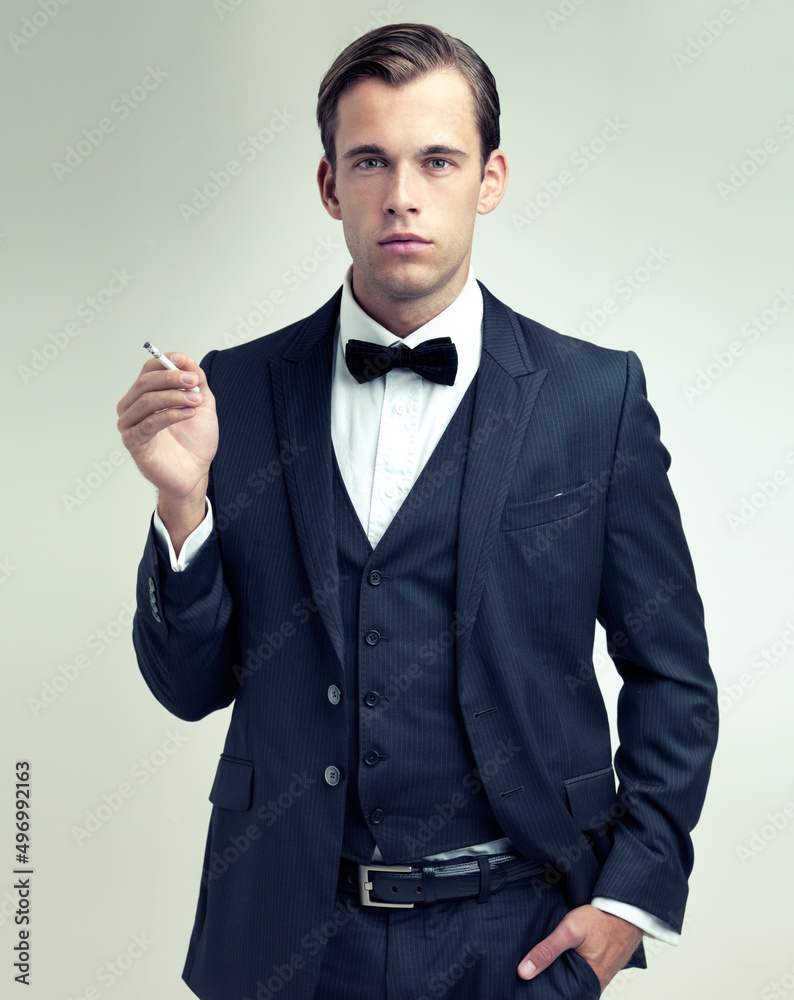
(164, 361)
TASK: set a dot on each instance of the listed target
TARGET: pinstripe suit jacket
(567, 517)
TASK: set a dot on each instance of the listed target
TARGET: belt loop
(428, 884)
(485, 879)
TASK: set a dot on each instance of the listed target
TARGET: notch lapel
(507, 388)
(302, 398)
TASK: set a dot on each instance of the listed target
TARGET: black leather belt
(404, 885)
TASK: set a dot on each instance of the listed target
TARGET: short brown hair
(399, 54)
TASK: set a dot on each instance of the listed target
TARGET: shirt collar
(461, 321)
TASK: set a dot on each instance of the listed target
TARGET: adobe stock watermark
(757, 158)
(96, 477)
(249, 323)
(563, 12)
(652, 946)
(766, 490)
(634, 622)
(7, 569)
(582, 159)
(377, 18)
(759, 666)
(239, 844)
(546, 535)
(311, 943)
(472, 781)
(141, 771)
(225, 7)
(248, 149)
(440, 983)
(427, 654)
(751, 331)
(35, 23)
(625, 288)
(87, 310)
(600, 824)
(779, 988)
(95, 645)
(260, 479)
(121, 108)
(431, 481)
(301, 611)
(712, 28)
(110, 972)
(764, 835)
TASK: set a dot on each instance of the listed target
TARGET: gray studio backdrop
(158, 184)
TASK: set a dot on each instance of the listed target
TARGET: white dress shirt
(383, 432)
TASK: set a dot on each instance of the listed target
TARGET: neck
(402, 316)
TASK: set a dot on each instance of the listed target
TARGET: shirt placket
(397, 452)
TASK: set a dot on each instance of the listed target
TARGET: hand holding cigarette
(164, 361)
(169, 425)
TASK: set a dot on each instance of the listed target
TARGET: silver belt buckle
(365, 886)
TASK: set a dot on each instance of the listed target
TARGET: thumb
(185, 363)
(549, 949)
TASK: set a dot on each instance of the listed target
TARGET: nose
(401, 193)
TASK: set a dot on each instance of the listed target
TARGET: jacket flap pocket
(533, 512)
(590, 797)
(233, 781)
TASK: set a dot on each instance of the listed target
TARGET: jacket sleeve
(183, 630)
(653, 617)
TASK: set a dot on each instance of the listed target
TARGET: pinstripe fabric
(432, 806)
(460, 950)
(566, 514)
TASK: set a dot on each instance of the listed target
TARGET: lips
(404, 238)
(405, 243)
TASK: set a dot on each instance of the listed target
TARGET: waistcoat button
(377, 816)
(372, 638)
(371, 757)
(374, 577)
(371, 698)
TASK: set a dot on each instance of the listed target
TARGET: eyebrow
(370, 149)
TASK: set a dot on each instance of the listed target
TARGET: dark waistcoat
(412, 783)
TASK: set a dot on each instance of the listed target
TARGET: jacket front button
(332, 775)
(372, 638)
(334, 694)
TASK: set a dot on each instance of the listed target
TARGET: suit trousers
(459, 950)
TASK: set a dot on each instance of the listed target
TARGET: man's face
(408, 187)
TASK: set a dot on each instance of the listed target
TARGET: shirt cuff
(647, 922)
(192, 543)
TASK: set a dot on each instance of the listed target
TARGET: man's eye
(371, 162)
(439, 164)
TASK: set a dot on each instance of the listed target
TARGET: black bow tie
(436, 360)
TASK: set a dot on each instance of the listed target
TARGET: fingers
(154, 377)
(158, 399)
(563, 937)
(185, 363)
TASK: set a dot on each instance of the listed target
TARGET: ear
(327, 185)
(494, 182)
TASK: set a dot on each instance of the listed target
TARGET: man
(395, 577)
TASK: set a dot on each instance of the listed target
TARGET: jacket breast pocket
(531, 513)
(233, 782)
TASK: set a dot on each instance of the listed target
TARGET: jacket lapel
(507, 387)
(302, 399)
